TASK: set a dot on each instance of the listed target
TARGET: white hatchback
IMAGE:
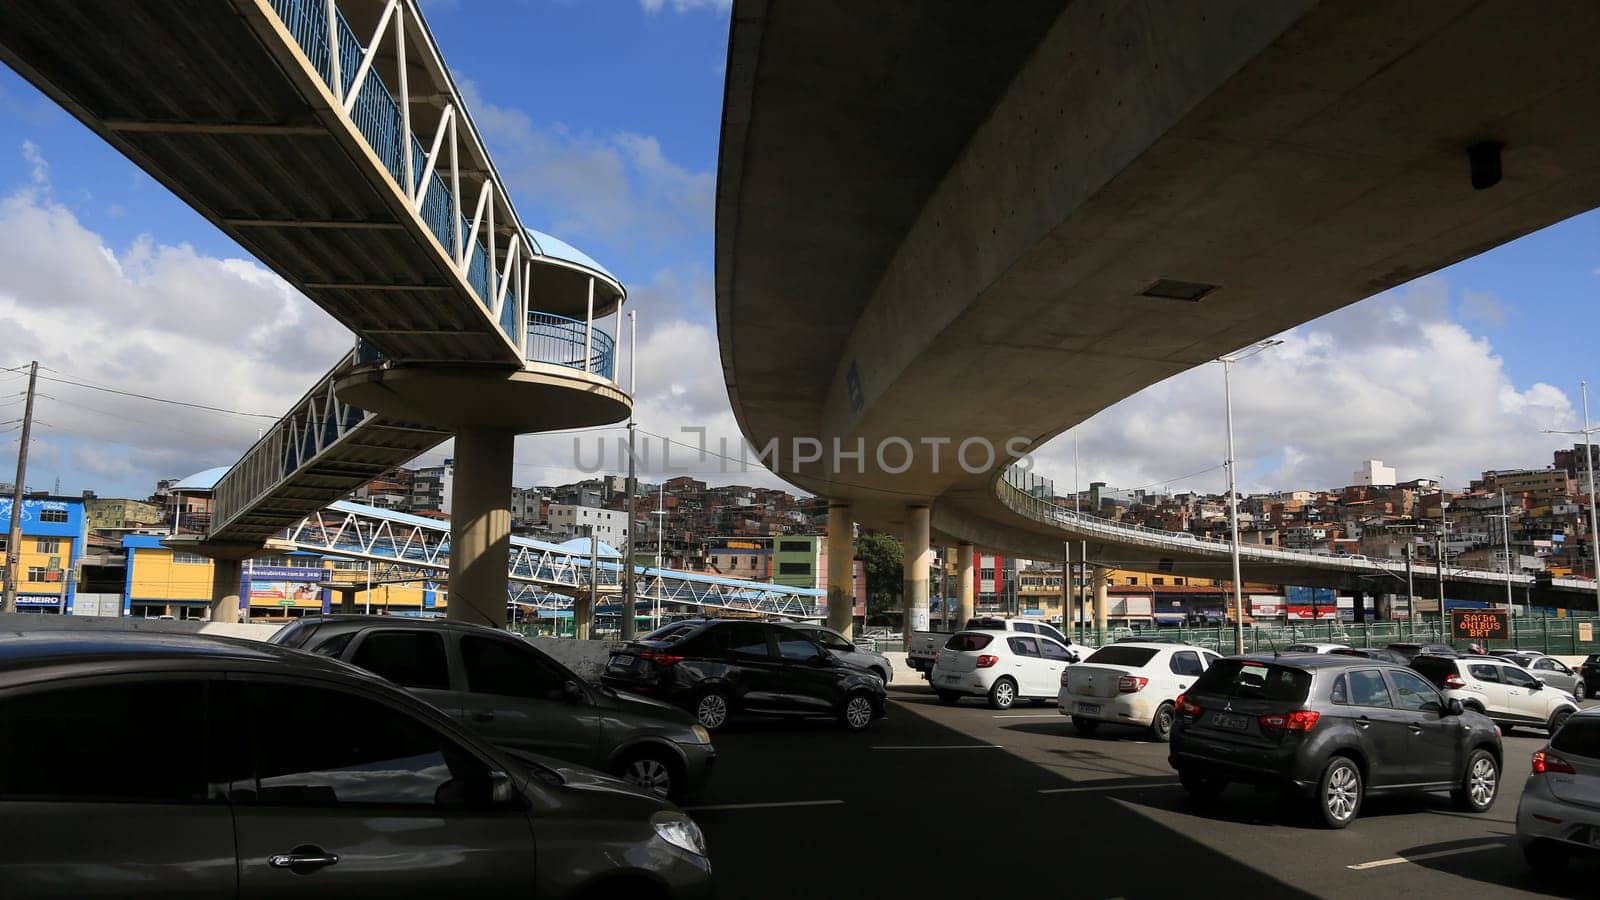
(1003, 666)
(1133, 683)
(1498, 688)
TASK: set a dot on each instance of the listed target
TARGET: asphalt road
(937, 802)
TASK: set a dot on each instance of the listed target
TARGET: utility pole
(629, 623)
(1505, 518)
(661, 526)
(14, 540)
(1411, 593)
(1233, 485)
(1588, 459)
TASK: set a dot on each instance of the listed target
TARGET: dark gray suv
(179, 766)
(519, 698)
(1332, 729)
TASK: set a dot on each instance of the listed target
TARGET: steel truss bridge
(537, 569)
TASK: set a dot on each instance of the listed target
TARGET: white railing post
(588, 330)
(477, 219)
(369, 56)
(455, 187)
(493, 259)
(432, 160)
(522, 311)
(332, 9)
(405, 100)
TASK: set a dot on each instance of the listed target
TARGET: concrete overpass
(940, 223)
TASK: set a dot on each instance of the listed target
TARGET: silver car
(519, 698)
(1559, 814)
(840, 646)
(183, 766)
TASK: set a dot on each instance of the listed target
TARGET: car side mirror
(503, 791)
(1453, 707)
(1536, 686)
(572, 692)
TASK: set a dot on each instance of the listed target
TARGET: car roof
(26, 651)
(1163, 644)
(1319, 660)
(361, 620)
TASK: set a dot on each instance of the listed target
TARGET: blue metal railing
(377, 115)
(559, 340)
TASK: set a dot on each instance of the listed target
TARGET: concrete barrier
(20, 622)
(586, 658)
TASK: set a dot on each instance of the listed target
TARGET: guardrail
(569, 342)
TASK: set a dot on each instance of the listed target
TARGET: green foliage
(883, 559)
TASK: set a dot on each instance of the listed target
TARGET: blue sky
(604, 117)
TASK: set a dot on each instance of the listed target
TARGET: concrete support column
(841, 569)
(1358, 603)
(480, 526)
(966, 556)
(225, 577)
(1102, 601)
(918, 557)
(582, 616)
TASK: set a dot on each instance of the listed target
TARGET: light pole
(1505, 524)
(1588, 464)
(1233, 484)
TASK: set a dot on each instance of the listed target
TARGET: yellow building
(52, 542)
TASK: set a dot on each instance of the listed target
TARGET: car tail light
(1131, 684)
(1545, 761)
(986, 660)
(1185, 708)
(1299, 720)
(1454, 682)
(661, 659)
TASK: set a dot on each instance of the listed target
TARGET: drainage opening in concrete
(1169, 289)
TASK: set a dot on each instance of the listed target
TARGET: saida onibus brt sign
(1480, 625)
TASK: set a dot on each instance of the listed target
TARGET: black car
(725, 667)
(1411, 650)
(1589, 672)
(1331, 729)
(1378, 653)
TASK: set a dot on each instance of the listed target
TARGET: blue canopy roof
(549, 245)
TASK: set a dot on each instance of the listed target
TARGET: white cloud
(1394, 377)
(151, 318)
(619, 188)
(38, 168)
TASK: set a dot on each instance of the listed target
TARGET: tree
(884, 561)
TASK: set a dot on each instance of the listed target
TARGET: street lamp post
(1233, 484)
(1588, 465)
(1505, 524)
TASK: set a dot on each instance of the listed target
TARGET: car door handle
(483, 717)
(1414, 728)
(303, 858)
(1363, 722)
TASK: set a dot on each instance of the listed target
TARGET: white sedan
(1003, 666)
(1133, 683)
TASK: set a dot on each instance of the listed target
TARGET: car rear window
(1248, 678)
(1435, 668)
(297, 635)
(968, 641)
(1133, 657)
(1580, 737)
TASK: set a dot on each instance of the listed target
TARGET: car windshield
(1133, 657)
(1255, 680)
(1579, 737)
(966, 641)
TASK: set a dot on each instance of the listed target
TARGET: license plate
(622, 661)
(949, 679)
(1089, 708)
(1230, 722)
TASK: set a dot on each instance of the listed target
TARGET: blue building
(53, 538)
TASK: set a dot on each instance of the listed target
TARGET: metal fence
(560, 341)
(1558, 636)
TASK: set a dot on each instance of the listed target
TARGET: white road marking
(1397, 860)
(1031, 716)
(942, 747)
(781, 805)
(1107, 787)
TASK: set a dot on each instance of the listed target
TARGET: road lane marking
(779, 805)
(1397, 860)
(943, 747)
(1031, 716)
(1107, 787)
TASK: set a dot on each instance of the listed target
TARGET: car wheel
(1579, 694)
(1339, 792)
(948, 698)
(1545, 857)
(1003, 694)
(857, 712)
(1557, 720)
(651, 771)
(711, 709)
(1085, 727)
(1161, 724)
(1480, 783)
(1202, 788)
